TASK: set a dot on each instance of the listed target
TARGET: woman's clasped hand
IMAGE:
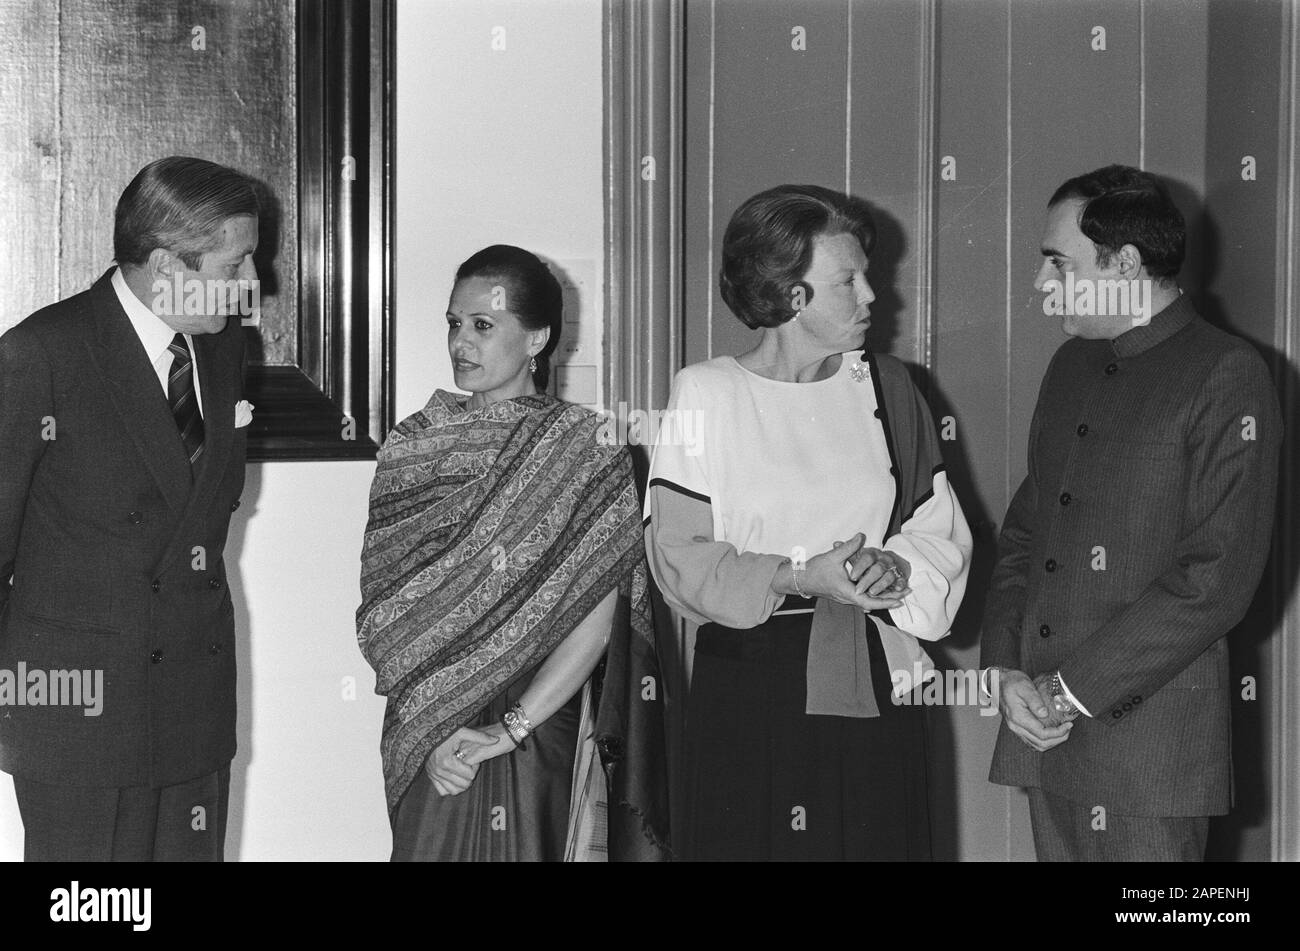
(854, 573)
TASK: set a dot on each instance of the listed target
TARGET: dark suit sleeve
(1217, 563)
(1004, 606)
(26, 406)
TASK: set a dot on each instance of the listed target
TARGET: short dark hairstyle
(1125, 205)
(180, 204)
(532, 292)
(768, 247)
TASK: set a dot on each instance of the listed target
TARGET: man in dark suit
(122, 463)
(1134, 544)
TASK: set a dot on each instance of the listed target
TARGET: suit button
(156, 657)
(1116, 714)
(156, 586)
(1112, 369)
(1126, 706)
(893, 471)
(1066, 498)
(1051, 564)
(214, 583)
(1083, 429)
(235, 504)
(135, 518)
(1137, 700)
(214, 649)
(1044, 631)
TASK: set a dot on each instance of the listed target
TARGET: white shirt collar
(155, 335)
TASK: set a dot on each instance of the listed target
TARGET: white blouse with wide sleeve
(788, 469)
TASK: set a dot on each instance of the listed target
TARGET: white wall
(492, 147)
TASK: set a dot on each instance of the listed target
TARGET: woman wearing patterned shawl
(505, 604)
(808, 527)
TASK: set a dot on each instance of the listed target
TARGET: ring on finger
(460, 753)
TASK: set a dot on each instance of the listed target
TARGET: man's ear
(1129, 262)
(161, 264)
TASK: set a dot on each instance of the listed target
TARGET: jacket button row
(214, 649)
(156, 657)
(234, 505)
(156, 586)
(135, 518)
(1126, 706)
(214, 583)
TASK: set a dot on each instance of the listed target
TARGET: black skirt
(767, 781)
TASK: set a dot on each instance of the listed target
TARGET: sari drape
(492, 534)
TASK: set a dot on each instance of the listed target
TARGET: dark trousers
(181, 823)
(1066, 831)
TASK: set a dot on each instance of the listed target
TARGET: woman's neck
(781, 357)
(520, 386)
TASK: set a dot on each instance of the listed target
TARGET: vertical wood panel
(967, 382)
(29, 157)
(889, 42)
(1072, 109)
(1285, 748)
(700, 244)
(1176, 78)
(778, 115)
(1240, 294)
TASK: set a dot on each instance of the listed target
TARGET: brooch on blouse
(861, 372)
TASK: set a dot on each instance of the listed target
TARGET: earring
(532, 365)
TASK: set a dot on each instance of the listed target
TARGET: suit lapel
(137, 396)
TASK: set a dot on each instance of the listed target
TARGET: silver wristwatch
(1060, 702)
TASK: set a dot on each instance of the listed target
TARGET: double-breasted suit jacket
(116, 548)
(1132, 548)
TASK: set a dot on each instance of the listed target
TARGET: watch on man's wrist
(1060, 702)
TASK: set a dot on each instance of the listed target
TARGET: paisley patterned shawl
(492, 534)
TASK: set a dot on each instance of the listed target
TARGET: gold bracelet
(794, 574)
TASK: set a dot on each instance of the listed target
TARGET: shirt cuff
(1069, 696)
(986, 681)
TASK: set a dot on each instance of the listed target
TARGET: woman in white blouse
(809, 529)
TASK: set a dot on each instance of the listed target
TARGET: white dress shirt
(155, 336)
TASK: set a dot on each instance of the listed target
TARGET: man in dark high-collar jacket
(1135, 543)
(123, 460)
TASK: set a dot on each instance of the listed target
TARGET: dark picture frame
(336, 401)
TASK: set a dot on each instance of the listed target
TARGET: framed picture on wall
(322, 378)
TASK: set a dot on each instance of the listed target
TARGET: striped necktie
(184, 403)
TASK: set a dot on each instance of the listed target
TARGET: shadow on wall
(1236, 836)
